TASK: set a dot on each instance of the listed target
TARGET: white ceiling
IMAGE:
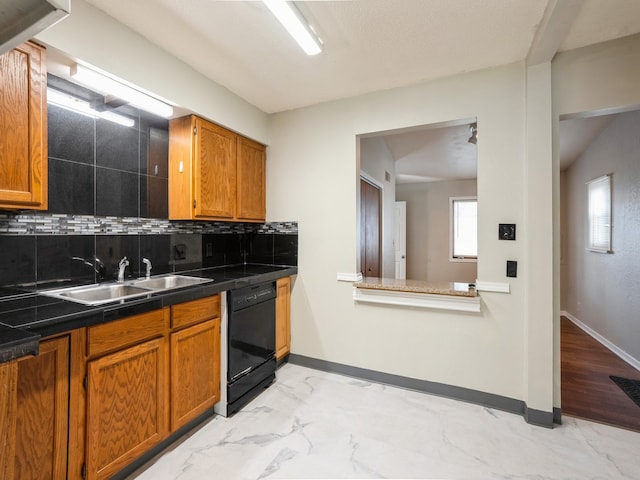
(369, 45)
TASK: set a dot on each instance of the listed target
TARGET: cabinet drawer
(195, 311)
(128, 331)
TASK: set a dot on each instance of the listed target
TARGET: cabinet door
(195, 371)
(23, 123)
(126, 406)
(8, 405)
(283, 317)
(251, 180)
(35, 412)
(214, 171)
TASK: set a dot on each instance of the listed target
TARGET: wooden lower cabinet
(127, 393)
(126, 406)
(98, 398)
(195, 367)
(283, 317)
(34, 413)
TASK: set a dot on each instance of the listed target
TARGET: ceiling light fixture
(293, 21)
(74, 104)
(473, 129)
(108, 86)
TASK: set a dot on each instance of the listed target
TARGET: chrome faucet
(147, 262)
(121, 266)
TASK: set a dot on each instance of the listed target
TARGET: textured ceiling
(370, 45)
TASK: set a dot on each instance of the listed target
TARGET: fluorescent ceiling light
(105, 85)
(69, 102)
(291, 19)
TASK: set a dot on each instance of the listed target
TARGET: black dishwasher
(251, 360)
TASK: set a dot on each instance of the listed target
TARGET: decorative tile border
(57, 224)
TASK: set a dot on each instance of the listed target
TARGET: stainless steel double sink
(99, 294)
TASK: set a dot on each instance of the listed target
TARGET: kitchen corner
(96, 313)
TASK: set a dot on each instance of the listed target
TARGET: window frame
(600, 185)
(452, 258)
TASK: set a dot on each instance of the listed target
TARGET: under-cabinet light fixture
(69, 102)
(109, 86)
(293, 21)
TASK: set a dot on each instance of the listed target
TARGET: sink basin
(98, 294)
(112, 292)
(170, 281)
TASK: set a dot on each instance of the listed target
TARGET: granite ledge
(418, 286)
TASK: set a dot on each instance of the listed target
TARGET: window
(463, 229)
(599, 211)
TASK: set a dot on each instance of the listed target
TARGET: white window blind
(599, 212)
(464, 228)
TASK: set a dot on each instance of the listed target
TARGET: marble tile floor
(312, 424)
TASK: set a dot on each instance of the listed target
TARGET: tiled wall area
(31, 260)
(98, 167)
(108, 189)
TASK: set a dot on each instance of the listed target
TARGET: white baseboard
(635, 363)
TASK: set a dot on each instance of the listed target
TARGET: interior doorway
(598, 330)
(370, 228)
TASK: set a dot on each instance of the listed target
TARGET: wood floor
(587, 390)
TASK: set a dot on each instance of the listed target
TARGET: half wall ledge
(418, 294)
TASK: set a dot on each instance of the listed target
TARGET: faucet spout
(147, 262)
(121, 267)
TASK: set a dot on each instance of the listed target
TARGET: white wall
(601, 289)
(428, 232)
(92, 37)
(312, 177)
(375, 160)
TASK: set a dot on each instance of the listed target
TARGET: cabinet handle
(194, 204)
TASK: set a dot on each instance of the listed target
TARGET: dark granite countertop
(26, 318)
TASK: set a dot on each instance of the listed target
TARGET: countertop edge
(25, 339)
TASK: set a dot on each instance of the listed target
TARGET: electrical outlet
(507, 231)
(180, 251)
(512, 268)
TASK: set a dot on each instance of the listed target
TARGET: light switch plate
(507, 231)
(512, 268)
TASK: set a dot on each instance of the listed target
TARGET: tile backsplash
(108, 187)
(31, 261)
(97, 167)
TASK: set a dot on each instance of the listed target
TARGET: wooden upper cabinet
(23, 128)
(214, 171)
(251, 180)
(214, 174)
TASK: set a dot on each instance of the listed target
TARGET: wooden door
(283, 317)
(126, 406)
(251, 180)
(23, 123)
(214, 171)
(370, 221)
(195, 371)
(34, 414)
